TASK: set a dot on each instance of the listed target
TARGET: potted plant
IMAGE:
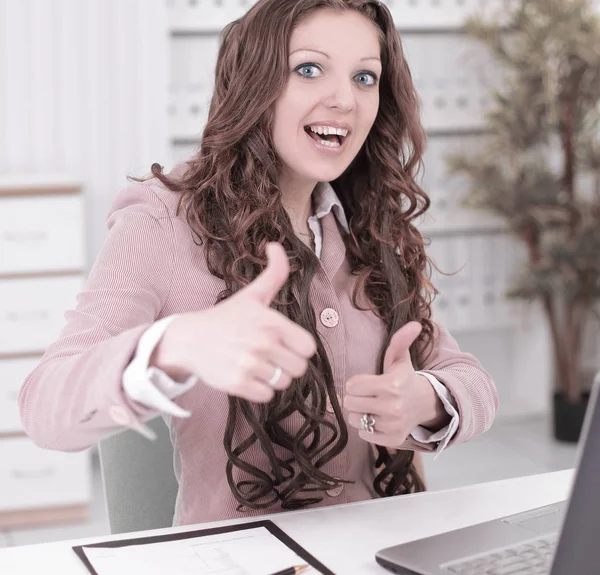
(539, 170)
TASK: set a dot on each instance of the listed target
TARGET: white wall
(84, 92)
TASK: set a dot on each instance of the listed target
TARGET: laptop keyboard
(532, 557)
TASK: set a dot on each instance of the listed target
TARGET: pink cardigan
(148, 268)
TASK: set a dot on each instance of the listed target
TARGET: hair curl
(231, 199)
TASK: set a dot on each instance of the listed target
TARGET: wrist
(434, 415)
(165, 354)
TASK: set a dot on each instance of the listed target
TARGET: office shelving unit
(41, 271)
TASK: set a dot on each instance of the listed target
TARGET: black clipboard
(267, 524)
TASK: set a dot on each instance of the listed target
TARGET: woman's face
(331, 98)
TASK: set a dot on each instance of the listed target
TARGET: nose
(341, 96)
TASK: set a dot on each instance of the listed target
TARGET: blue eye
(368, 75)
(304, 67)
(305, 71)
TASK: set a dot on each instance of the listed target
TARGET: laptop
(560, 539)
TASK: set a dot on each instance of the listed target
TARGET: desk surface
(346, 537)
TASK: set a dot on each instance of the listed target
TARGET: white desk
(346, 537)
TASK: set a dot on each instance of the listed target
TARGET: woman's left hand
(397, 401)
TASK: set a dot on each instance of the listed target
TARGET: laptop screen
(578, 549)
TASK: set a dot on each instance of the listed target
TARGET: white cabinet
(41, 234)
(31, 477)
(32, 311)
(41, 271)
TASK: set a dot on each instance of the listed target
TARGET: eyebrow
(327, 55)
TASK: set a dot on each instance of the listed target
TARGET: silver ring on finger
(367, 423)
(276, 377)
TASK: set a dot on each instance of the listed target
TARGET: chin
(326, 174)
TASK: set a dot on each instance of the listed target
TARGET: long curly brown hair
(232, 203)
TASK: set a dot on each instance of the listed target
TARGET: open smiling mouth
(327, 138)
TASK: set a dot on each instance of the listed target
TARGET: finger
(267, 285)
(381, 435)
(267, 371)
(399, 348)
(253, 367)
(291, 363)
(254, 390)
(354, 419)
(293, 336)
(383, 425)
(369, 386)
(383, 439)
(372, 405)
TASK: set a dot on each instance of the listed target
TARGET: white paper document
(246, 552)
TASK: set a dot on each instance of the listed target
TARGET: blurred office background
(93, 90)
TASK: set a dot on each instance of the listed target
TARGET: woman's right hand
(237, 345)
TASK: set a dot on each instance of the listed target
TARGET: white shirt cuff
(150, 386)
(444, 435)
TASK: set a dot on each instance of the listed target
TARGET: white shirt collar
(325, 201)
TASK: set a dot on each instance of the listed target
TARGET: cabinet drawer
(12, 375)
(32, 311)
(32, 477)
(41, 234)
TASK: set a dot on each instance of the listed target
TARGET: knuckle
(397, 384)
(300, 368)
(352, 384)
(247, 363)
(262, 343)
(239, 381)
(234, 388)
(397, 409)
(393, 390)
(350, 405)
(310, 345)
(285, 382)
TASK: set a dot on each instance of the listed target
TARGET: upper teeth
(327, 130)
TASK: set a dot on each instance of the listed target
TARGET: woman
(269, 297)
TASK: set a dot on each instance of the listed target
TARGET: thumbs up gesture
(240, 346)
(387, 408)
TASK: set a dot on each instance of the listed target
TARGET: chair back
(139, 482)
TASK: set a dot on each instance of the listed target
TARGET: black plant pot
(568, 417)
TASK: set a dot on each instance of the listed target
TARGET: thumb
(267, 285)
(398, 350)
